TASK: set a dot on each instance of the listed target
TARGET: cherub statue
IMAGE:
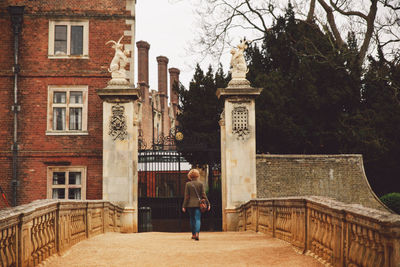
(238, 63)
(118, 63)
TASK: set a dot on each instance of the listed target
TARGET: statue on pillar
(118, 63)
(238, 65)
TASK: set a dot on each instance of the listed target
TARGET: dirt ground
(178, 249)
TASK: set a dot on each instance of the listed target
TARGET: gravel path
(178, 249)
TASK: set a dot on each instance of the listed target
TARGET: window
(66, 182)
(68, 39)
(67, 110)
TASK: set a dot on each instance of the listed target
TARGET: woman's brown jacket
(191, 200)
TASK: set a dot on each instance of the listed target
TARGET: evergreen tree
(381, 113)
(199, 117)
(315, 100)
(309, 90)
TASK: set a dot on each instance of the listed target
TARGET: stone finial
(118, 63)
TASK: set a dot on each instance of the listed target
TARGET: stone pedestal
(120, 135)
(238, 148)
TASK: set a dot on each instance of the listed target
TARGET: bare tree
(371, 20)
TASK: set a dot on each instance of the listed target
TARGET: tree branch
(370, 30)
(311, 11)
(258, 14)
(385, 3)
(348, 13)
(332, 23)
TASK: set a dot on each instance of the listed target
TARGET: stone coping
(44, 203)
(380, 216)
(309, 156)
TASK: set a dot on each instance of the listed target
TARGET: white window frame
(69, 23)
(67, 169)
(50, 105)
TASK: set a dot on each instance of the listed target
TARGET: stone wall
(340, 177)
(335, 233)
(31, 233)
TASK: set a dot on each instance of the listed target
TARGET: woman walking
(194, 190)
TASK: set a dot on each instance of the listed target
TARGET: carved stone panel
(240, 122)
(118, 127)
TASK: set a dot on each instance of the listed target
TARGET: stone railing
(31, 233)
(335, 233)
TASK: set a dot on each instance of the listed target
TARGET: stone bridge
(323, 232)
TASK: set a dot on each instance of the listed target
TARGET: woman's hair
(193, 174)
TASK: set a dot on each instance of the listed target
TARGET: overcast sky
(168, 26)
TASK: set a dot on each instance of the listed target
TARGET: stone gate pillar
(120, 145)
(238, 145)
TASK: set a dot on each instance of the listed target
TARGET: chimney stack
(162, 78)
(143, 61)
(163, 90)
(173, 79)
(143, 67)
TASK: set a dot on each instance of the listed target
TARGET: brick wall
(93, 8)
(107, 21)
(341, 177)
(33, 178)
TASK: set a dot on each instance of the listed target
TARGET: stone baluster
(34, 239)
(3, 257)
(294, 225)
(337, 241)
(371, 253)
(8, 246)
(378, 251)
(317, 233)
(12, 246)
(279, 219)
(50, 244)
(365, 247)
(325, 237)
(46, 234)
(320, 235)
(3, 246)
(285, 218)
(41, 238)
(314, 243)
(354, 241)
(311, 230)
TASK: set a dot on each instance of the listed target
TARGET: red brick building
(53, 58)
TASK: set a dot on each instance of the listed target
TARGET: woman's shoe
(196, 237)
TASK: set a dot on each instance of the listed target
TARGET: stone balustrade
(335, 233)
(31, 233)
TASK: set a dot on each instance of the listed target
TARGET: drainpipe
(16, 13)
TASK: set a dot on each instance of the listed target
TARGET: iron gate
(161, 184)
(162, 176)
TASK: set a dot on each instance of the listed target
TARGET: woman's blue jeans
(195, 216)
